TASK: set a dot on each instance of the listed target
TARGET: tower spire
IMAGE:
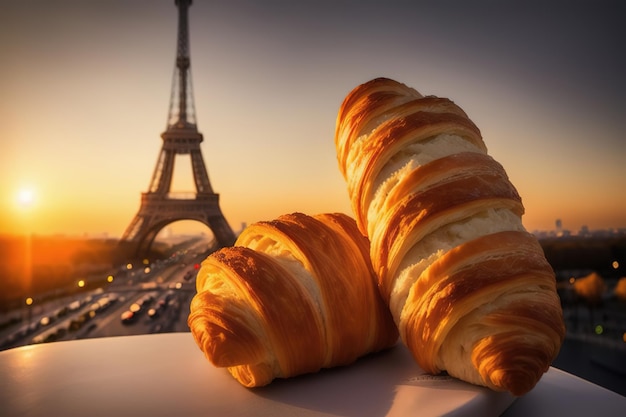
(182, 111)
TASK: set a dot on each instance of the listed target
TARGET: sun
(25, 197)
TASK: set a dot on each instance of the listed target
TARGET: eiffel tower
(159, 206)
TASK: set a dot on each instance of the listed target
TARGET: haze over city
(87, 89)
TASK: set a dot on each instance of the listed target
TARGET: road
(165, 287)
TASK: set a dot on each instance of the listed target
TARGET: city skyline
(90, 84)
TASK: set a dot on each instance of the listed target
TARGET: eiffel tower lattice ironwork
(159, 206)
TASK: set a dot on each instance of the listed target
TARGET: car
(46, 320)
(158, 308)
(74, 305)
(91, 327)
(128, 317)
(176, 285)
(61, 312)
(78, 322)
(153, 313)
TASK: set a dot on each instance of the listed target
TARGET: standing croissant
(293, 295)
(469, 289)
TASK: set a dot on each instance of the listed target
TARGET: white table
(167, 375)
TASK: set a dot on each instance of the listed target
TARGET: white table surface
(167, 375)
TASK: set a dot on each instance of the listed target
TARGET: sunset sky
(85, 89)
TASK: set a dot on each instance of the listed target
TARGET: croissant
(293, 296)
(468, 287)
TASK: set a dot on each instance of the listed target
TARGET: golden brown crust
(423, 212)
(363, 105)
(295, 295)
(470, 289)
(263, 286)
(392, 136)
(459, 281)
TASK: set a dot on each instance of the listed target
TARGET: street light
(29, 308)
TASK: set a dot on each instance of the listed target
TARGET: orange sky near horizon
(89, 86)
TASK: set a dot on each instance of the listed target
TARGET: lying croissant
(469, 289)
(293, 295)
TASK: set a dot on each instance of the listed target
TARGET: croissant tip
(518, 382)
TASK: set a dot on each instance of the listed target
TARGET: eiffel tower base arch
(157, 211)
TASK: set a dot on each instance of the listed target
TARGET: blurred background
(88, 88)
